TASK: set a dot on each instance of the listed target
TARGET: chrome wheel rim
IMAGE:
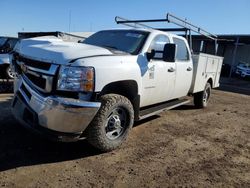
(10, 73)
(116, 123)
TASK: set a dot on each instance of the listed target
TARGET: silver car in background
(243, 70)
(6, 46)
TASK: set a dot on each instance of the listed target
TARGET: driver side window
(158, 44)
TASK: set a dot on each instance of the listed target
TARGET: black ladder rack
(186, 27)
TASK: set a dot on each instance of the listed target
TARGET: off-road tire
(97, 130)
(201, 98)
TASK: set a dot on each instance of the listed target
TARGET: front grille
(38, 81)
(35, 63)
(37, 73)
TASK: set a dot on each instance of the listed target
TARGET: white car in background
(243, 69)
(6, 46)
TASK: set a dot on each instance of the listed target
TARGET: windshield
(2, 41)
(129, 41)
(244, 65)
(7, 44)
(12, 43)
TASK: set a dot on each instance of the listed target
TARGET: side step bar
(156, 109)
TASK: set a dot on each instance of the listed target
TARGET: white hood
(55, 50)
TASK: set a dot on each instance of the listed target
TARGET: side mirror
(150, 55)
(169, 52)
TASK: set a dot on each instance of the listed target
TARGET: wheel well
(127, 88)
(210, 81)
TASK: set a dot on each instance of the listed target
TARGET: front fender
(109, 69)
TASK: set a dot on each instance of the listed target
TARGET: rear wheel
(112, 123)
(201, 99)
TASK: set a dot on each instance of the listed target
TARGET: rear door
(184, 68)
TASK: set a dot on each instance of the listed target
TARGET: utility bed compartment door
(212, 65)
(205, 66)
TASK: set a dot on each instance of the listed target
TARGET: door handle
(189, 69)
(171, 69)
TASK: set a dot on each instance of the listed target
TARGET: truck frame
(96, 89)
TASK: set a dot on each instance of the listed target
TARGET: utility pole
(91, 26)
(69, 20)
(234, 56)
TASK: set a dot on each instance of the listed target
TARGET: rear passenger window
(182, 50)
(158, 45)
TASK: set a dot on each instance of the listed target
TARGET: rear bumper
(62, 118)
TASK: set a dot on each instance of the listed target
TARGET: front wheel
(112, 123)
(201, 99)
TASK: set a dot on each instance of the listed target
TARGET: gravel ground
(182, 147)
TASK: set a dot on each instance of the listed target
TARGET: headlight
(76, 79)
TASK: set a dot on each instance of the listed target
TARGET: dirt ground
(182, 147)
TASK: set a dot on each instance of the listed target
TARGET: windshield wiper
(113, 48)
(108, 46)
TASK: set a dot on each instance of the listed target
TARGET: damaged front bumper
(59, 118)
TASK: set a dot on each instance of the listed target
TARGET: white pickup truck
(98, 88)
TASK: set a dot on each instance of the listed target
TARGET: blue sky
(217, 16)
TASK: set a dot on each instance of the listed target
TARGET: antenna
(69, 20)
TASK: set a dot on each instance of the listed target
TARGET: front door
(158, 79)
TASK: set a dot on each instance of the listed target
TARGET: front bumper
(65, 118)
